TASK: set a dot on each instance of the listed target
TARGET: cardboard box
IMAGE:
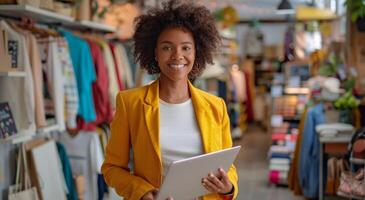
(5, 58)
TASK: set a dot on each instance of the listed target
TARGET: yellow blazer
(136, 125)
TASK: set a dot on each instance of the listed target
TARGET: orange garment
(136, 125)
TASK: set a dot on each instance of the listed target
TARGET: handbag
(22, 190)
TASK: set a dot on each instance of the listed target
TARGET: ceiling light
(285, 8)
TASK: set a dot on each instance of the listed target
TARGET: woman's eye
(166, 48)
(186, 48)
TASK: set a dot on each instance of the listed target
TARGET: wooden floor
(252, 168)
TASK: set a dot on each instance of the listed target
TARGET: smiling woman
(178, 120)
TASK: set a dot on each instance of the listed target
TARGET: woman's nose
(177, 54)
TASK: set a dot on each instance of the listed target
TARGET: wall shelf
(27, 135)
(21, 136)
(12, 74)
(49, 17)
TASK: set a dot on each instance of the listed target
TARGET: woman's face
(175, 53)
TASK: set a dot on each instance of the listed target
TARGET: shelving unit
(21, 136)
(26, 135)
(12, 74)
(48, 17)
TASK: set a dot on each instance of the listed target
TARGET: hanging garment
(129, 49)
(289, 44)
(36, 67)
(253, 43)
(69, 83)
(309, 153)
(239, 83)
(113, 81)
(52, 67)
(293, 177)
(86, 157)
(19, 91)
(250, 97)
(103, 108)
(126, 67)
(117, 67)
(67, 172)
(85, 75)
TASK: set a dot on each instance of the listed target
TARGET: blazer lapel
(151, 114)
(201, 108)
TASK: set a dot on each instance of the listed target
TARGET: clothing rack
(50, 18)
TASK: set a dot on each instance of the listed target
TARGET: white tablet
(183, 178)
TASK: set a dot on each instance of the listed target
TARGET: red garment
(249, 103)
(119, 75)
(103, 107)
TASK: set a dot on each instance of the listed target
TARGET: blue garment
(85, 74)
(66, 167)
(309, 154)
(102, 187)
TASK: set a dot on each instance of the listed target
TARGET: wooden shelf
(12, 74)
(50, 17)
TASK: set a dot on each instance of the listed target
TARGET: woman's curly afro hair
(174, 14)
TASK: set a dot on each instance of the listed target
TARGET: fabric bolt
(103, 108)
(85, 74)
(117, 67)
(71, 94)
(309, 153)
(86, 157)
(126, 67)
(22, 101)
(176, 137)
(67, 172)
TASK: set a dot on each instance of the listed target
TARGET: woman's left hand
(220, 184)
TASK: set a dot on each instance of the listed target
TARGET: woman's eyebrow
(169, 42)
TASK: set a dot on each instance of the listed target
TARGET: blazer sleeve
(227, 143)
(115, 167)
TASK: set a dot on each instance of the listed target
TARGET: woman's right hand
(151, 195)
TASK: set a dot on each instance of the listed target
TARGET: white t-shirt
(179, 133)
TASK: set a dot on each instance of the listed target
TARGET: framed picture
(7, 123)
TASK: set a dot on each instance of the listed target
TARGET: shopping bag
(22, 190)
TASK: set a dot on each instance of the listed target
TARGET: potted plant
(357, 12)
